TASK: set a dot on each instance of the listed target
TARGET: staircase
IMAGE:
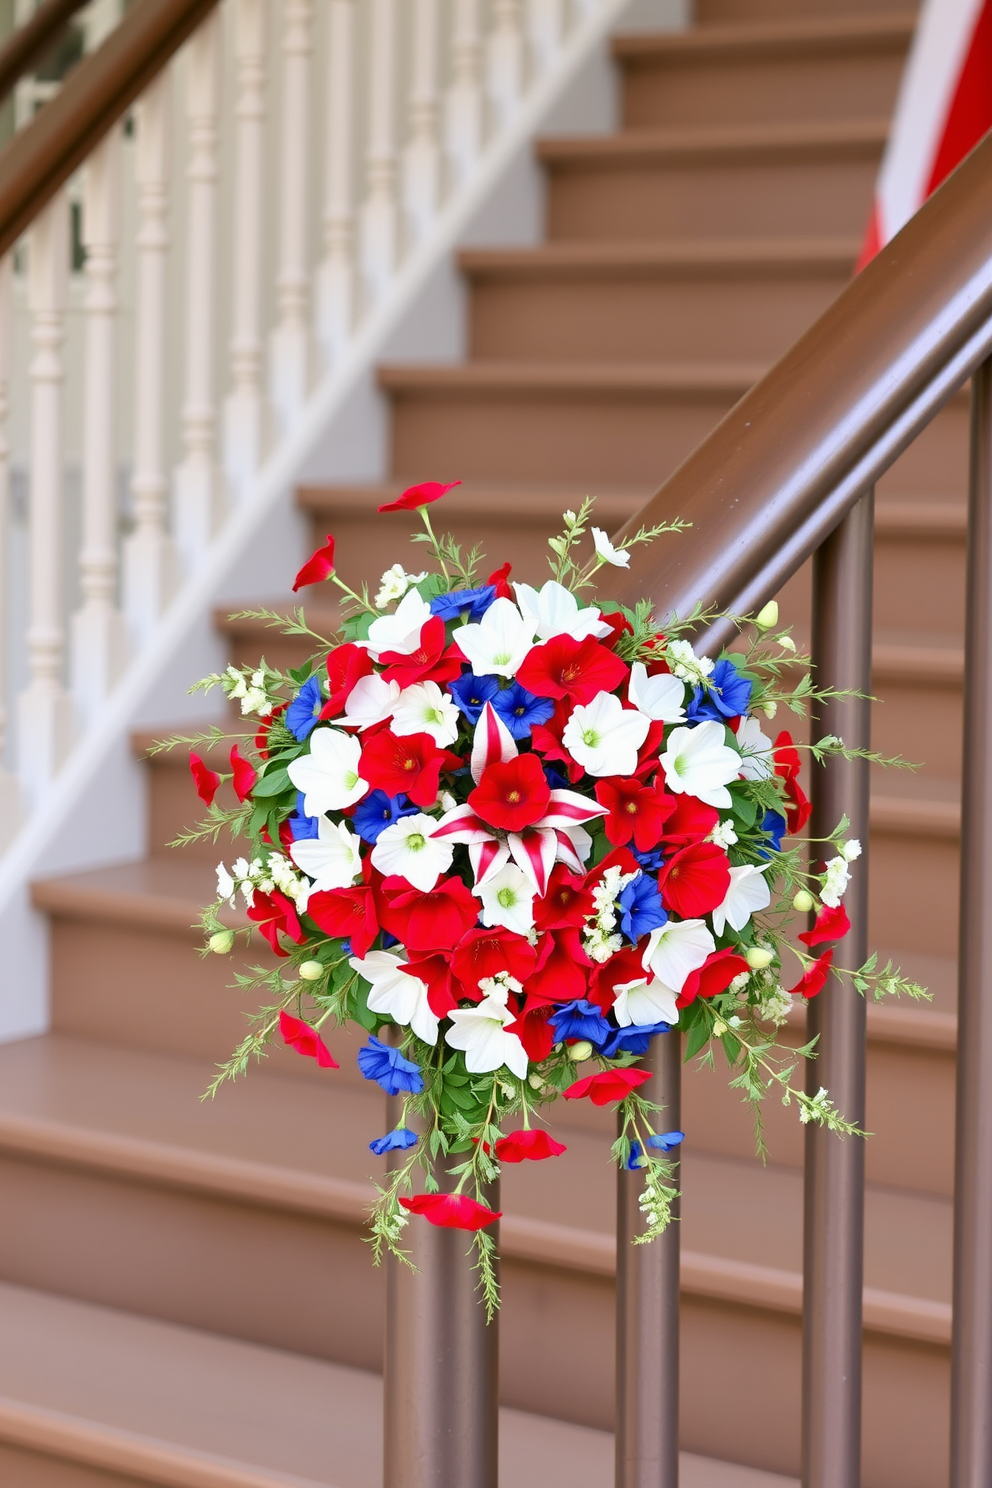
(186, 1298)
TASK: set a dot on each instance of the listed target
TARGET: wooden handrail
(94, 96)
(30, 42)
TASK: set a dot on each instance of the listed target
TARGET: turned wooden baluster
(10, 791)
(380, 216)
(290, 340)
(422, 158)
(464, 107)
(547, 30)
(336, 278)
(505, 59)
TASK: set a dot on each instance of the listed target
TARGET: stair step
(808, 142)
(856, 32)
(705, 259)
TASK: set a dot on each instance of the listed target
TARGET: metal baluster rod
(647, 1410)
(971, 1357)
(834, 1178)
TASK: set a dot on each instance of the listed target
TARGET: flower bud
(767, 618)
(787, 643)
(803, 902)
(719, 1028)
(311, 971)
(221, 942)
(535, 1082)
(580, 1050)
(758, 958)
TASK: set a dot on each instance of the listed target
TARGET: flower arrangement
(516, 835)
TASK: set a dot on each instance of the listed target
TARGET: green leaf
(272, 784)
(696, 1038)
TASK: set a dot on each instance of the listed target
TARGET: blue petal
(520, 709)
(728, 695)
(473, 601)
(304, 711)
(378, 811)
(387, 1067)
(399, 1139)
(666, 1140)
(472, 693)
(580, 1020)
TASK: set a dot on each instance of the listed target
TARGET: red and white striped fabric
(944, 108)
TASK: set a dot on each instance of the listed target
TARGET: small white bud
(221, 942)
(311, 971)
(719, 1028)
(758, 958)
(579, 1051)
(770, 709)
(803, 902)
(767, 617)
(852, 849)
(787, 643)
(535, 1082)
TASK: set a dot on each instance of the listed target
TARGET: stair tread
(158, 892)
(703, 259)
(793, 139)
(788, 37)
(575, 377)
(134, 1394)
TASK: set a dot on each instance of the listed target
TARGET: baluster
(464, 102)
(243, 407)
(834, 1175)
(336, 281)
(971, 1352)
(45, 714)
(99, 641)
(149, 554)
(290, 338)
(422, 163)
(647, 1413)
(10, 794)
(198, 493)
(505, 59)
(380, 225)
(547, 28)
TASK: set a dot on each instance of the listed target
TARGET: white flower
(851, 850)
(371, 700)
(756, 750)
(284, 876)
(394, 585)
(400, 631)
(686, 664)
(697, 763)
(407, 847)
(606, 552)
(554, 611)
(507, 899)
(723, 834)
(253, 697)
(332, 858)
(425, 709)
(748, 893)
(328, 775)
(226, 887)
(499, 642)
(645, 1001)
(402, 998)
(675, 949)
(603, 736)
(835, 881)
(660, 698)
(775, 1005)
(482, 1033)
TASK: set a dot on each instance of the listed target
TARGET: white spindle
(380, 222)
(336, 283)
(45, 714)
(10, 794)
(243, 409)
(505, 58)
(547, 27)
(99, 644)
(291, 337)
(464, 105)
(198, 492)
(422, 161)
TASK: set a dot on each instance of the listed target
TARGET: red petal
(421, 495)
(831, 924)
(812, 981)
(607, 1086)
(244, 775)
(317, 567)
(306, 1040)
(452, 1211)
(714, 976)
(531, 1146)
(206, 780)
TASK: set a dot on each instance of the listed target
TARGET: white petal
(332, 859)
(371, 700)
(328, 775)
(645, 1002)
(675, 949)
(660, 698)
(401, 630)
(748, 892)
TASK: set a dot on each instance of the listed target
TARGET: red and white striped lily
(558, 835)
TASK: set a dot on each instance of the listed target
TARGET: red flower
(559, 975)
(317, 567)
(535, 1032)
(273, 913)
(500, 580)
(421, 495)
(607, 1086)
(347, 913)
(814, 977)
(513, 794)
(244, 775)
(695, 880)
(452, 1211)
(625, 966)
(261, 740)
(692, 821)
(787, 765)
(575, 669)
(444, 991)
(306, 1040)
(831, 924)
(346, 665)
(636, 811)
(411, 765)
(530, 1145)
(432, 661)
(428, 922)
(546, 739)
(715, 975)
(567, 901)
(205, 780)
(482, 953)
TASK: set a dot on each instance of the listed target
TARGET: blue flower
(520, 709)
(379, 811)
(773, 823)
(555, 776)
(379, 1062)
(580, 1020)
(633, 1040)
(401, 1138)
(640, 907)
(300, 824)
(453, 606)
(304, 711)
(665, 1142)
(728, 695)
(473, 693)
(653, 860)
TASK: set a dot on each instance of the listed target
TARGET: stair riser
(23, 1469)
(724, 12)
(914, 893)
(902, 723)
(920, 583)
(936, 463)
(719, 201)
(761, 90)
(629, 316)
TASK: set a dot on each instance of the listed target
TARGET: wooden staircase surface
(185, 1294)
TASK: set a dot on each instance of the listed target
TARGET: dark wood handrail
(94, 96)
(30, 42)
(788, 461)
